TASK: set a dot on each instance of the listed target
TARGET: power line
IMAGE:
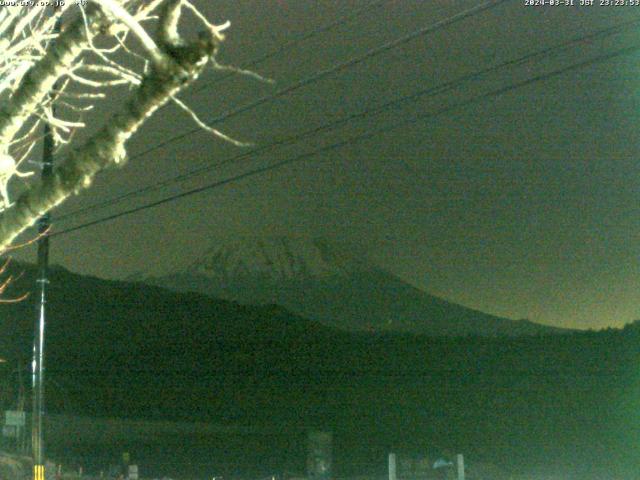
(351, 62)
(358, 138)
(292, 43)
(428, 92)
(328, 71)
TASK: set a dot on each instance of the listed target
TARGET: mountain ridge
(314, 279)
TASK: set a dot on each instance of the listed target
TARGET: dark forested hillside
(129, 350)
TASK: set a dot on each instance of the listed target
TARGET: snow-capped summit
(321, 281)
(275, 258)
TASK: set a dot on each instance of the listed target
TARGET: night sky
(523, 204)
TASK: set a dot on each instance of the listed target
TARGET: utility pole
(44, 222)
(37, 441)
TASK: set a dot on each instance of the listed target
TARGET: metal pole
(38, 372)
(37, 441)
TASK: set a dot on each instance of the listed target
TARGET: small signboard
(9, 431)
(14, 418)
(133, 472)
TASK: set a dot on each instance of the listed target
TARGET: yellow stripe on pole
(38, 472)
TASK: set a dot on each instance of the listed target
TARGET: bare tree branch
(176, 66)
(38, 82)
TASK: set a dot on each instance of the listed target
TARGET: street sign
(14, 418)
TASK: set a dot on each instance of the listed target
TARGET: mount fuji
(320, 281)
